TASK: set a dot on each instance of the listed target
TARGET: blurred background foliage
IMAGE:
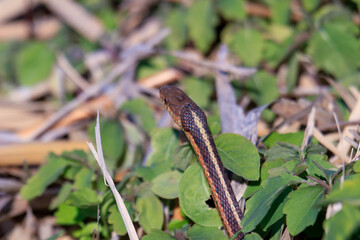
(296, 46)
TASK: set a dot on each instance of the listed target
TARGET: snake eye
(165, 100)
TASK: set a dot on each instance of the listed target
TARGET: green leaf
(275, 212)
(209, 233)
(193, 194)
(252, 236)
(232, 9)
(277, 230)
(84, 197)
(163, 143)
(337, 17)
(279, 33)
(166, 185)
(334, 51)
(182, 156)
(201, 21)
(283, 151)
(293, 72)
(83, 178)
(280, 10)
(259, 204)
(248, 44)
(263, 88)
(87, 230)
(176, 224)
(116, 220)
(112, 140)
(176, 22)
(46, 175)
(160, 168)
(61, 197)
(292, 138)
(302, 208)
(150, 213)
(310, 5)
(198, 90)
(145, 172)
(315, 171)
(68, 215)
(151, 66)
(108, 17)
(275, 52)
(356, 167)
(213, 122)
(314, 149)
(342, 224)
(239, 155)
(142, 113)
(265, 168)
(349, 192)
(158, 235)
(34, 63)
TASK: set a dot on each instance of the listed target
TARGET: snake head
(174, 100)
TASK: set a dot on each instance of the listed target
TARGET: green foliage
(347, 193)
(163, 143)
(69, 215)
(150, 213)
(252, 236)
(335, 50)
(84, 197)
(193, 193)
(244, 160)
(175, 21)
(198, 90)
(62, 195)
(47, 174)
(166, 185)
(34, 63)
(280, 10)
(302, 208)
(201, 21)
(263, 88)
(343, 224)
(182, 156)
(292, 138)
(260, 203)
(112, 139)
(150, 66)
(288, 187)
(291, 77)
(157, 234)
(254, 42)
(116, 220)
(199, 232)
(139, 109)
(232, 9)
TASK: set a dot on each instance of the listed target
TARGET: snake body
(193, 121)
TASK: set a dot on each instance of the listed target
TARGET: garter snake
(193, 122)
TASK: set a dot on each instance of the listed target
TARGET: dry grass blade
(77, 17)
(109, 182)
(35, 152)
(132, 56)
(326, 142)
(240, 72)
(354, 115)
(71, 73)
(345, 95)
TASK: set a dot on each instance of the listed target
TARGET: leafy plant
(165, 191)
